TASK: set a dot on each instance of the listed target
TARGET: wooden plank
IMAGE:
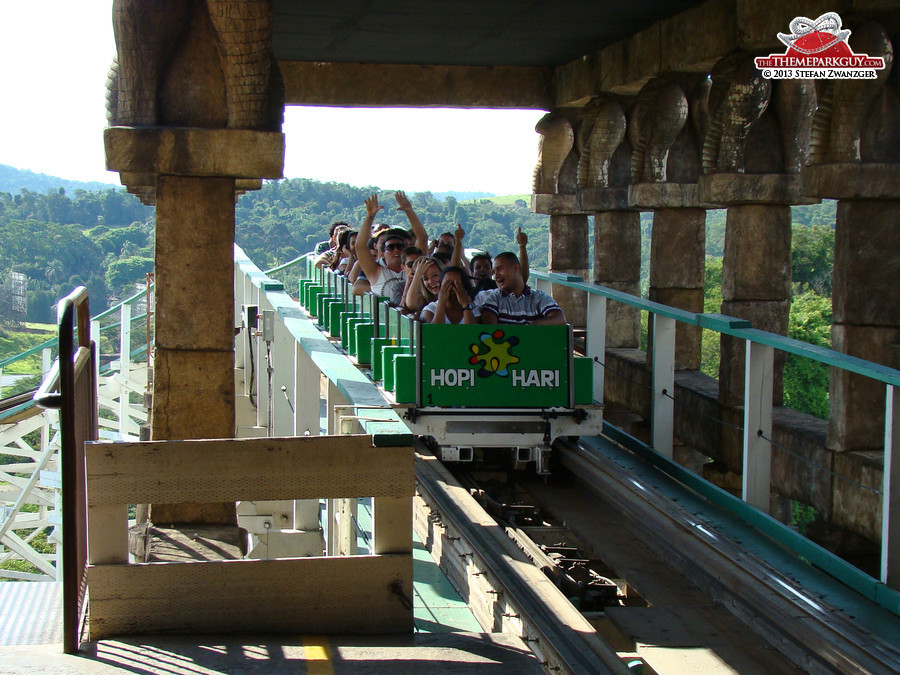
(252, 469)
(296, 595)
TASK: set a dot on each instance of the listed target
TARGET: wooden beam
(393, 85)
(295, 595)
(253, 469)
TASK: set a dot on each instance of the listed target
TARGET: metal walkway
(30, 613)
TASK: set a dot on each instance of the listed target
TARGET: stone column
(866, 318)
(192, 119)
(569, 254)
(666, 129)
(617, 265)
(677, 268)
(756, 285)
(854, 159)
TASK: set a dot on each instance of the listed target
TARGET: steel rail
(798, 624)
(544, 610)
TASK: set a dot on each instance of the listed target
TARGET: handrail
(116, 307)
(48, 395)
(77, 400)
(287, 264)
(733, 326)
(52, 342)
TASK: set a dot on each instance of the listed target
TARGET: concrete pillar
(569, 254)
(677, 267)
(756, 285)
(866, 318)
(617, 265)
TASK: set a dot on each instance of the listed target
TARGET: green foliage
(288, 217)
(806, 381)
(812, 257)
(60, 242)
(712, 302)
(126, 272)
(18, 340)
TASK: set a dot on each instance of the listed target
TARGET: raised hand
(403, 203)
(521, 238)
(459, 233)
(461, 294)
(372, 206)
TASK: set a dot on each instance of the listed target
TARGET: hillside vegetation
(105, 241)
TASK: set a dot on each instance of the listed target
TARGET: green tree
(812, 257)
(806, 381)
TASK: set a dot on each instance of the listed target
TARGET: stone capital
(852, 181)
(663, 196)
(556, 205)
(604, 199)
(732, 189)
(188, 151)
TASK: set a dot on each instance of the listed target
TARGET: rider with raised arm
(386, 272)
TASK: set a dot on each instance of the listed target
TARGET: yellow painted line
(317, 653)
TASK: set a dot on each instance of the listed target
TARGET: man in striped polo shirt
(513, 301)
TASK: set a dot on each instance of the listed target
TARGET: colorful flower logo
(493, 354)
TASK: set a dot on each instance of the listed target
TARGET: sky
(56, 56)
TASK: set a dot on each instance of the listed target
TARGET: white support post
(758, 379)
(95, 338)
(240, 340)
(596, 340)
(663, 382)
(334, 401)
(306, 394)
(50, 416)
(124, 365)
(543, 285)
(262, 351)
(283, 382)
(331, 527)
(347, 512)
(890, 511)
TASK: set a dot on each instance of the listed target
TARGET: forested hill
(12, 180)
(286, 218)
(105, 239)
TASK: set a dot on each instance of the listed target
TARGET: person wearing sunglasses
(385, 276)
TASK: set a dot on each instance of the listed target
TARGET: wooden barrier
(359, 594)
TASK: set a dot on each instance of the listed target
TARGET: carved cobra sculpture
(244, 30)
(146, 33)
(557, 139)
(738, 98)
(660, 114)
(844, 104)
(795, 105)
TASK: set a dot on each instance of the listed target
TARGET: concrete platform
(447, 640)
(416, 654)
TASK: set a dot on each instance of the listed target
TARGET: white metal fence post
(595, 336)
(663, 382)
(124, 365)
(890, 511)
(758, 378)
(283, 381)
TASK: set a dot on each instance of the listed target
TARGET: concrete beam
(396, 85)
